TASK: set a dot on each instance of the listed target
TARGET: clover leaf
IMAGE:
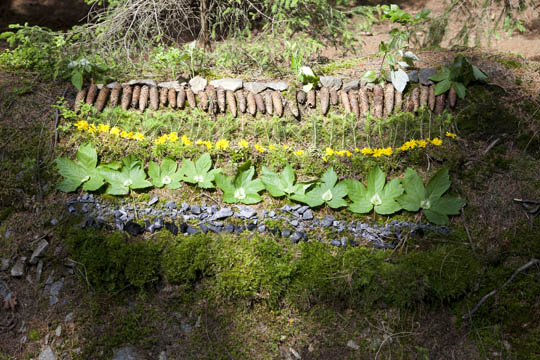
(282, 184)
(429, 198)
(241, 188)
(84, 171)
(199, 172)
(327, 192)
(379, 194)
(131, 176)
(167, 174)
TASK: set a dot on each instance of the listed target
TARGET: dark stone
(353, 242)
(229, 228)
(413, 76)
(335, 242)
(214, 229)
(296, 237)
(204, 228)
(170, 204)
(195, 209)
(239, 229)
(183, 227)
(252, 226)
(153, 201)
(133, 228)
(172, 228)
(302, 209)
(425, 74)
(286, 233)
(223, 213)
(327, 221)
(275, 231)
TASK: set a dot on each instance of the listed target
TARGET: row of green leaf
(408, 193)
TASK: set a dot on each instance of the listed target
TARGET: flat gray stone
(228, 84)
(128, 352)
(331, 82)
(4, 264)
(351, 85)
(277, 85)
(38, 251)
(47, 354)
(223, 214)
(55, 291)
(113, 84)
(425, 74)
(171, 85)
(197, 84)
(307, 215)
(255, 86)
(18, 269)
(413, 76)
(148, 82)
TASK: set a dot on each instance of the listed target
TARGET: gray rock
(327, 221)
(5, 292)
(294, 223)
(47, 354)
(113, 84)
(54, 221)
(331, 82)
(148, 82)
(425, 74)
(38, 251)
(223, 214)
(413, 76)
(4, 264)
(191, 230)
(153, 201)
(170, 85)
(128, 352)
(296, 237)
(277, 85)
(68, 318)
(272, 214)
(186, 327)
(228, 84)
(171, 205)
(286, 233)
(302, 209)
(351, 85)
(261, 229)
(255, 86)
(18, 269)
(39, 270)
(307, 215)
(55, 291)
(197, 84)
(353, 345)
(195, 209)
(246, 212)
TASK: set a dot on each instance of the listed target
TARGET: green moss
(509, 62)
(187, 259)
(34, 335)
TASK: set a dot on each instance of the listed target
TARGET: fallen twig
(493, 292)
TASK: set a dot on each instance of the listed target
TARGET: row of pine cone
(380, 101)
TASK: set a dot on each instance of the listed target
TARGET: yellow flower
(271, 147)
(103, 128)
(161, 140)
(366, 151)
(124, 134)
(285, 146)
(329, 151)
(208, 144)
(138, 136)
(436, 142)
(421, 143)
(357, 150)
(348, 153)
(299, 152)
(92, 129)
(130, 135)
(451, 135)
(411, 144)
(82, 125)
(222, 144)
(259, 148)
(173, 137)
(403, 147)
(186, 141)
(377, 152)
(325, 159)
(243, 144)
(115, 131)
(388, 151)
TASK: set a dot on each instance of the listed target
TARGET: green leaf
(389, 206)
(131, 176)
(414, 186)
(393, 189)
(166, 174)
(355, 190)
(448, 205)
(77, 79)
(438, 184)
(280, 185)
(479, 75)
(440, 76)
(199, 173)
(83, 171)
(399, 79)
(326, 192)
(375, 180)
(442, 87)
(409, 202)
(460, 89)
(369, 76)
(436, 218)
(241, 189)
(361, 206)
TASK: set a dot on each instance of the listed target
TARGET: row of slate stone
(234, 96)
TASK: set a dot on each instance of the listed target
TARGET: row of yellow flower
(224, 144)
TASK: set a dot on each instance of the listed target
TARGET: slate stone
(171, 85)
(327, 221)
(4, 264)
(228, 84)
(197, 84)
(204, 228)
(214, 229)
(246, 212)
(343, 241)
(132, 228)
(191, 230)
(5, 292)
(331, 82)
(413, 76)
(172, 228)
(286, 233)
(307, 215)
(148, 82)
(252, 226)
(153, 201)
(261, 229)
(185, 207)
(286, 208)
(18, 269)
(294, 223)
(255, 86)
(425, 74)
(238, 229)
(296, 237)
(353, 242)
(272, 214)
(223, 213)
(55, 291)
(54, 221)
(127, 353)
(113, 84)
(39, 270)
(351, 85)
(301, 210)
(183, 227)
(158, 223)
(275, 231)
(68, 318)
(229, 228)
(277, 85)
(195, 209)
(335, 242)
(47, 354)
(295, 207)
(170, 205)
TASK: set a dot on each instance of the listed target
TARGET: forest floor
(495, 161)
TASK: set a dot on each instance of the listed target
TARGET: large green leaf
(325, 192)
(442, 87)
(375, 180)
(447, 205)
(167, 174)
(84, 171)
(414, 186)
(199, 173)
(242, 188)
(438, 184)
(131, 176)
